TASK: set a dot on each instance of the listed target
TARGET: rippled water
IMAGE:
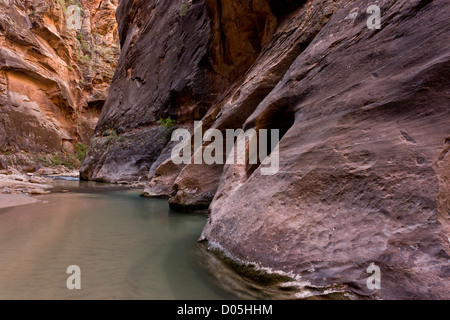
(127, 248)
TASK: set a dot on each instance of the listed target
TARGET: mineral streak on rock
(364, 115)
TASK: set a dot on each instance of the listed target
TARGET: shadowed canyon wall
(364, 115)
(53, 80)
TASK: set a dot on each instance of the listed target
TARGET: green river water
(127, 247)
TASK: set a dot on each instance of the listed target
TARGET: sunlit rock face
(54, 79)
(364, 120)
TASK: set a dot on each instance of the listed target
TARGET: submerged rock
(38, 191)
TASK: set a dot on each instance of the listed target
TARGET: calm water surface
(127, 247)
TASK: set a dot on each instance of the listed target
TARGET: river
(127, 247)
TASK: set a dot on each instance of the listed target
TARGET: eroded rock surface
(53, 80)
(364, 117)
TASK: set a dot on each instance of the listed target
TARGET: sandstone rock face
(231, 110)
(363, 114)
(3, 165)
(180, 83)
(361, 164)
(53, 80)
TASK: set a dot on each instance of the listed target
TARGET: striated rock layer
(53, 79)
(364, 117)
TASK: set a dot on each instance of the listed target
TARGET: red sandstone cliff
(53, 80)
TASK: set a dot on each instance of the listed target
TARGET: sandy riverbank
(17, 188)
(14, 200)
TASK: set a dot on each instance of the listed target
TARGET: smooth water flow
(127, 247)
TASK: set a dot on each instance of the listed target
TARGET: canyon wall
(54, 79)
(364, 121)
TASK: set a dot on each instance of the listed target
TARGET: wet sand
(15, 200)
